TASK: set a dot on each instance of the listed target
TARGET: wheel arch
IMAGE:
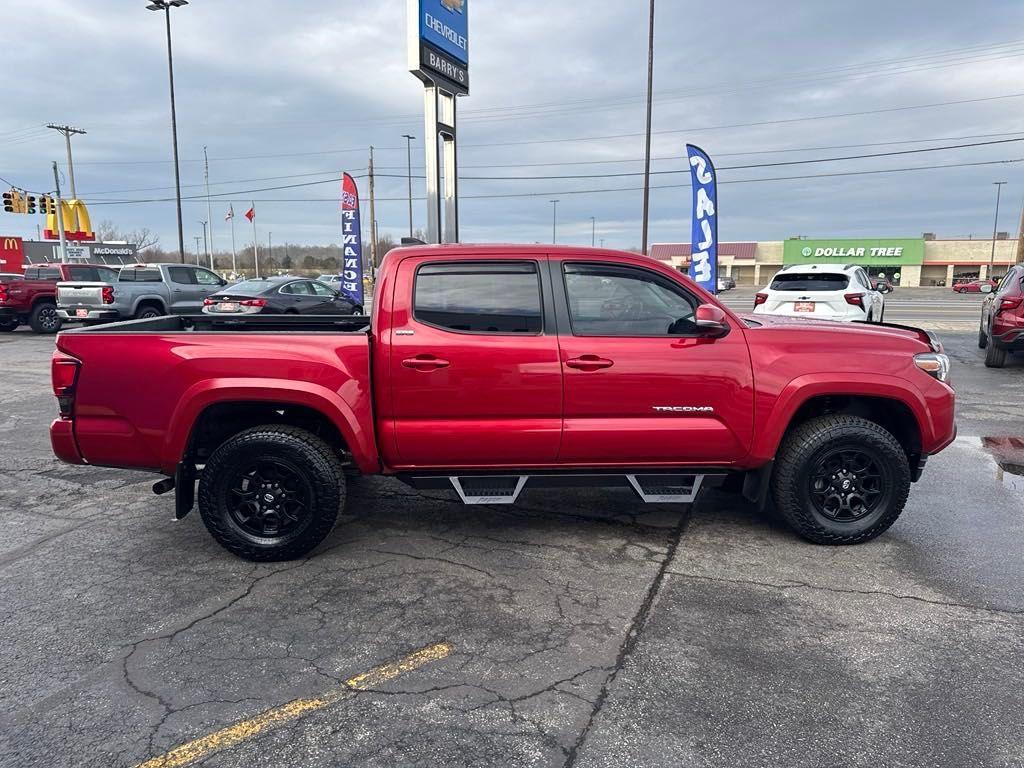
(214, 411)
(148, 300)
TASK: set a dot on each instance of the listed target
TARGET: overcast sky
(286, 93)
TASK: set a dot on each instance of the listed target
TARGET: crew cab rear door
(641, 386)
(475, 379)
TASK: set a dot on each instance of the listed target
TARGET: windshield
(809, 282)
(249, 288)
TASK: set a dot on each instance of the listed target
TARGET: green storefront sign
(866, 253)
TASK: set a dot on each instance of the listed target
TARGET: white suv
(822, 292)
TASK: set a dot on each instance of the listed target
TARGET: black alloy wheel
(44, 318)
(846, 485)
(270, 498)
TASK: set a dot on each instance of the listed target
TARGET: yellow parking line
(246, 729)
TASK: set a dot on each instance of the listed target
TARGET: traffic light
(30, 204)
(46, 205)
(13, 202)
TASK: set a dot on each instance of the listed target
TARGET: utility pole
(1020, 236)
(408, 153)
(165, 6)
(270, 248)
(647, 135)
(206, 247)
(593, 230)
(68, 131)
(209, 211)
(995, 226)
(373, 220)
(60, 217)
(554, 220)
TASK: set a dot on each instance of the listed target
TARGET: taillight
(760, 298)
(108, 294)
(253, 303)
(3, 293)
(856, 299)
(64, 375)
(1010, 302)
(208, 302)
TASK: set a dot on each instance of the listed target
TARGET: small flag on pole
(230, 214)
(251, 213)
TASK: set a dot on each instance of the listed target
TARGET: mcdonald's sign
(12, 254)
(76, 222)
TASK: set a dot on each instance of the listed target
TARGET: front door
(474, 371)
(641, 386)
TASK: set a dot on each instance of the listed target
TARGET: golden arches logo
(11, 244)
(76, 220)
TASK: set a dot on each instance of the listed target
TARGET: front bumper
(70, 314)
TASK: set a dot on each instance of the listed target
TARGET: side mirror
(711, 321)
(985, 288)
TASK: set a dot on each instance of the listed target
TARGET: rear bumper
(1012, 340)
(62, 439)
(70, 314)
(8, 313)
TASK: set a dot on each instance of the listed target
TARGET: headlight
(935, 364)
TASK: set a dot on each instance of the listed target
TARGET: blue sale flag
(704, 229)
(351, 242)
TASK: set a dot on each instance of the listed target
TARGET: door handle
(425, 363)
(588, 363)
(177, 290)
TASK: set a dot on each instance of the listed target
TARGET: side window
(32, 273)
(865, 281)
(298, 288)
(322, 290)
(181, 275)
(137, 275)
(495, 297)
(1005, 283)
(205, 277)
(608, 300)
(83, 274)
(45, 273)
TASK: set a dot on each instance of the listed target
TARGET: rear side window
(90, 274)
(809, 282)
(137, 275)
(479, 297)
(181, 275)
(42, 273)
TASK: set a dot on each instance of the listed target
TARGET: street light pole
(206, 247)
(554, 220)
(593, 230)
(995, 226)
(408, 152)
(67, 131)
(165, 6)
(647, 135)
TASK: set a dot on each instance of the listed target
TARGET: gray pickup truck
(140, 291)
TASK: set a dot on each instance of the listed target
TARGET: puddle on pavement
(1008, 453)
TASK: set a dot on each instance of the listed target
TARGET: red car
(973, 286)
(32, 297)
(1002, 319)
(489, 369)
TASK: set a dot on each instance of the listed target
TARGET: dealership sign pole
(704, 228)
(351, 242)
(438, 46)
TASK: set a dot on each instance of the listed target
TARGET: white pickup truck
(140, 291)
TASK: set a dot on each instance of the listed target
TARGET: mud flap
(184, 489)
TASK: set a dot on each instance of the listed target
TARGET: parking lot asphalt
(575, 628)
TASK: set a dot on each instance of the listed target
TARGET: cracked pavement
(588, 629)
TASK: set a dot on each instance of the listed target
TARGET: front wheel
(840, 480)
(271, 493)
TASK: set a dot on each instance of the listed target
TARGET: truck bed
(241, 324)
(143, 384)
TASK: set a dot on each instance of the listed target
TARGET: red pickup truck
(33, 298)
(490, 369)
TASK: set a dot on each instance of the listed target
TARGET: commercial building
(911, 262)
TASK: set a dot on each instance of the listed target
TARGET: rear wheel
(8, 326)
(357, 310)
(44, 318)
(995, 357)
(840, 480)
(271, 493)
(982, 337)
(148, 312)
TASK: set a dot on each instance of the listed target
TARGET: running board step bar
(651, 487)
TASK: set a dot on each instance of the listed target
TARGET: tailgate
(816, 304)
(80, 294)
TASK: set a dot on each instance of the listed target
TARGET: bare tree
(142, 237)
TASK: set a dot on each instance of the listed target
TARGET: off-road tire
(307, 455)
(995, 357)
(43, 318)
(796, 459)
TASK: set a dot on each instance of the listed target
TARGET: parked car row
(1002, 318)
(48, 295)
